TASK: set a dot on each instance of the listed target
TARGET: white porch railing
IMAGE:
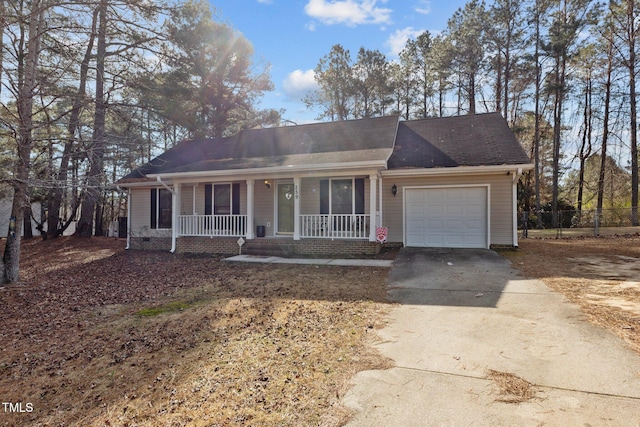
(350, 226)
(212, 225)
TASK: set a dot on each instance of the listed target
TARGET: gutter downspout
(174, 211)
(515, 177)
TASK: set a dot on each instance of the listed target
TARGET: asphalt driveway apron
(463, 314)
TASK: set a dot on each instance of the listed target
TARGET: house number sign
(295, 191)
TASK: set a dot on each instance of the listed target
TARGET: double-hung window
(222, 199)
(342, 196)
(161, 208)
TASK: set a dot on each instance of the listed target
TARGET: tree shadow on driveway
(449, 277)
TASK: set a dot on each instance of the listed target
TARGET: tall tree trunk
(441, 90)
(536, 135)
(498, 94)
(2, 26)
(631, 19)
(95, 153)
(26, 92)
(557, 133)
(27, 229)
(605, 135)
(585, 146)
(507, 77)
(55, 200)
(472, 94)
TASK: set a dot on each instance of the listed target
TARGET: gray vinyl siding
(140, 210)
(500, 203)
(140, 221)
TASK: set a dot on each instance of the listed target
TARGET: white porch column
(175, 212)
(250, 187)
(516, 177)
(193, 207)
(373, 194)
(380, 222)
(296, 208)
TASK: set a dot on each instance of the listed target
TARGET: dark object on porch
(260, 231)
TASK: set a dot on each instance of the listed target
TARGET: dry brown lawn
(98, 336)
(601, 275)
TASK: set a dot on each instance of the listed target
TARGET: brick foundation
(150, 243)
(207, 245)
(260, 246)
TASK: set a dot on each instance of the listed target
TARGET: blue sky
(292, 35)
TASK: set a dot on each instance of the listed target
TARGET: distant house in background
(6, 203)
(325, 188)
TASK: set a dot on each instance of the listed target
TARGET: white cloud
(423, 7)
(298, 83)
(265, 1)
(348, 12)
(398, 39)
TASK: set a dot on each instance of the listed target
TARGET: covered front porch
(346, 226)
(329, 208)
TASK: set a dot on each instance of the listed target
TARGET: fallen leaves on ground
(511, 388)
(94, 335)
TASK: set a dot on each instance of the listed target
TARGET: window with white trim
(342, 196)
(222, 199)
(161, 208)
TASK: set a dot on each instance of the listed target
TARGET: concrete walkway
(312, 261)
(463, 313)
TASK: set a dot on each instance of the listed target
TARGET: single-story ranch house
(332, 188)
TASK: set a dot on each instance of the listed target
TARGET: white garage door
(453, 217)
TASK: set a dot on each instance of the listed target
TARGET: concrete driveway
(464, 313)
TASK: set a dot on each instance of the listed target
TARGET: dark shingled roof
(475, 140)
(317, 143)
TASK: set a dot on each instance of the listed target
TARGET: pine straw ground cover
(98, 336)
(601, 275)
(511, 388)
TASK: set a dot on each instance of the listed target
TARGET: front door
(285, 208)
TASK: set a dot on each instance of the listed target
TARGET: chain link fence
(586, 222)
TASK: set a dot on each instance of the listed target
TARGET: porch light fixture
(394, 190)
(267, 184)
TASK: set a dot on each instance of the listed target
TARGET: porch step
(268, 249)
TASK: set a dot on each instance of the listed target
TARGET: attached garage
(447, 217)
